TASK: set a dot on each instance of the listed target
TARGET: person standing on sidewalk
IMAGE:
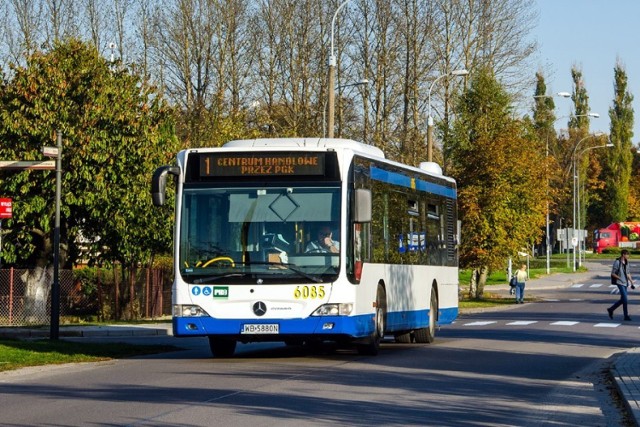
(621, 277)
(521, 279)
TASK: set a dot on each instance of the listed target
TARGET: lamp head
(594, 115)
(461, 72)
(564, 94)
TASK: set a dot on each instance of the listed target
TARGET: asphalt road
(540, 363)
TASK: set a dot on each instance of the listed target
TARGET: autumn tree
(543, 121)
(116, 130)
(634, 187)
(500, 169)
(619, 157)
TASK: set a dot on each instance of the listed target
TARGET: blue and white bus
(247, 212)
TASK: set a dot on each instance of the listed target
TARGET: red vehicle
(617, 234)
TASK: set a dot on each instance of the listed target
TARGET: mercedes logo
(259, 308)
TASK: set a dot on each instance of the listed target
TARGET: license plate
(271, 328)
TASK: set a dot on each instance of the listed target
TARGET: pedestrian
(521, 279)
(621, 277)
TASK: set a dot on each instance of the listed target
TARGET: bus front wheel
(372, 347)
(428, 334)
(222, 347)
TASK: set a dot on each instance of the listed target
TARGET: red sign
(5, 208)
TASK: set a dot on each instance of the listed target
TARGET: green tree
(500, 170)
(619, 157)
(580, 119)
(544, 119)
(634, 186)
(116, 130)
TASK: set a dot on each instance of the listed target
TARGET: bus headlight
(333, 310)
(188, 311)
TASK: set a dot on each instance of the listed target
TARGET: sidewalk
(119, 330)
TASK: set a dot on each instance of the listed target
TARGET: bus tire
(403, 338)
(428, 334)
(373, 346)
(222, 347)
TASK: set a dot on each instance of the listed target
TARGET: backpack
(619, 261)
(513, 281)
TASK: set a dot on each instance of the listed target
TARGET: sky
(592, 34)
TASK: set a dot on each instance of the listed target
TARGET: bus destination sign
(261, 164)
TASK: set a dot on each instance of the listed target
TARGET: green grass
(488, 301)
(538, 268)
(15, 354)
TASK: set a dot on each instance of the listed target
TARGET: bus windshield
(258, 234)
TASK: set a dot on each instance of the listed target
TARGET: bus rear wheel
(428, 334)
(373, 346)
(404, 338)
(222, 347)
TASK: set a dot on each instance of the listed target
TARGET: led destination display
(262, 164)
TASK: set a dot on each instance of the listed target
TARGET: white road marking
(480, 323)
(606, 325)
(596, 285)
(522, 322)
(564, 323)
(577, 285)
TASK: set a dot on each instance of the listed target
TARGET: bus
(246, 212)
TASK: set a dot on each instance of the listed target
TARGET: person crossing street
(621, 277)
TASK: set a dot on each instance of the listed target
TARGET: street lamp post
(332, 71)
(592, 115)
(581, 241)
(574, 243)
(338, 89)
(54, 328)
(461, 72)
(547, 240)
(560, 94)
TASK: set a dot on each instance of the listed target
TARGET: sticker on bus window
(221, 292)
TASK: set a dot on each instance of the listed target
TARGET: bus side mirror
(362, 205)
(159, 183)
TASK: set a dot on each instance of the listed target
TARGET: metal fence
(85, 294)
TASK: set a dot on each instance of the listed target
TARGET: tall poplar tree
(543, 120)
(619, 157)
(580, 119)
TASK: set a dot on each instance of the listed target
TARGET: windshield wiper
(291, 267)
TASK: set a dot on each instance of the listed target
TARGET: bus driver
(324, 243)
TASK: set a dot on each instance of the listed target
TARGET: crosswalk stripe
(480, 323)
(577, 285)
(564, 323)
(523, 322)
(606, 325)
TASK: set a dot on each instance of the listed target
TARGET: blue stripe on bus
(396, 178)
(405, 320)
(352, 326)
